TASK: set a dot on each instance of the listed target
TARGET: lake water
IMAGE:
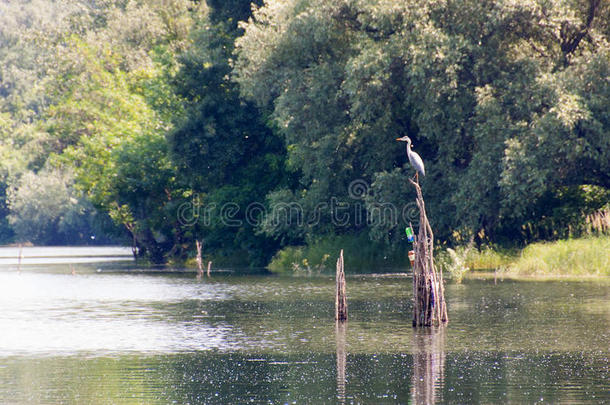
(115, 334)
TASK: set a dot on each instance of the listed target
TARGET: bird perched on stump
(414, 158)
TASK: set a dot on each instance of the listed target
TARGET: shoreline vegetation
(584, 257)
(249, 131)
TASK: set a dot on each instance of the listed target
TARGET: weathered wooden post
(340, 327)
(209, 267)
(19, 258)
(340, 296)
(429, 307)
(198, 245)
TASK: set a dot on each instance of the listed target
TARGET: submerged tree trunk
(19, 258)
(429, 307)
(198, 246)
(340, 295)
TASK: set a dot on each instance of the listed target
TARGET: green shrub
(457, 262)
(489, 258)
(286, 259)
(361, 256)
(453, 262)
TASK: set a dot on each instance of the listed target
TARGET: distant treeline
(252, 127)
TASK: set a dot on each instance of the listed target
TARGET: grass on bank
(588, 256)
(455, 263)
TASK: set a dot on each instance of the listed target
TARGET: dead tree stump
(429, 307)
(199, 260)
(19, 258)
(340, 296)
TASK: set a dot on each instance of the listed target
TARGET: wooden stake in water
(209, 267)
(429, 307)
(340, 296)
(198, 245)
(20, 257)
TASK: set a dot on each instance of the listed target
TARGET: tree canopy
(274, 123)
(507, 101)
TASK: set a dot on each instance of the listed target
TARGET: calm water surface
(118, 335)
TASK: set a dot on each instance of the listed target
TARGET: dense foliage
(507, 101)
(253, 127)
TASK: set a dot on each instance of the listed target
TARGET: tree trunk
(199, 246)
(340, 296)
(429, 307)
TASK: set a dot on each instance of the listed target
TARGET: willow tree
(505, 99)
(109, 107)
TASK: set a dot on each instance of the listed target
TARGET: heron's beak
(398, 139)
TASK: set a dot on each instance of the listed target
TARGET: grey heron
(414, 158)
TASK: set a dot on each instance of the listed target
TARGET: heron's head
(404, 139)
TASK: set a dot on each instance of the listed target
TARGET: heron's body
(415, 160)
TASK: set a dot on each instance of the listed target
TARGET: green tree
(114, 139)
(111, 109)
(503, 100)
(45, 209)
(226, 154)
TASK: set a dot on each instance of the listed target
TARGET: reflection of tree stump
(19, 258)
(340, 295)
(429, 306)
(340, 327)
(428, 365)
(340, 331)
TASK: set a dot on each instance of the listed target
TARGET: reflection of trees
(340, 331)
(428, 365)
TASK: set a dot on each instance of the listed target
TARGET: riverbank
(361, 256)
(588, 256)
(572, 258)
(582, 257)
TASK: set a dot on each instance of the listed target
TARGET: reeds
(589, 256)
(598, 223)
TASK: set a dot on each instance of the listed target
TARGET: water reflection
(428, 365)
(105, 314)
(340, 338)
(116, 336)
(42, 255)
